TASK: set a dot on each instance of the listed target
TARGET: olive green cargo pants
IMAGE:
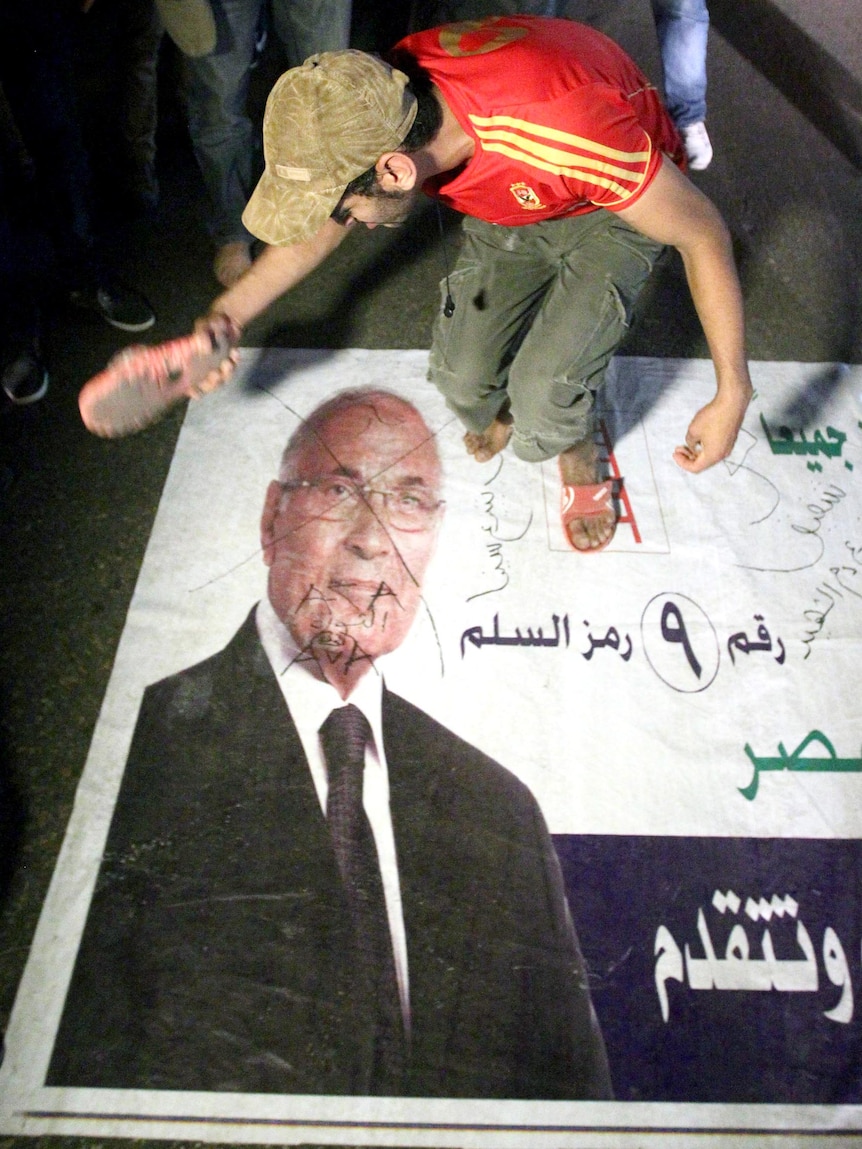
(539, 311)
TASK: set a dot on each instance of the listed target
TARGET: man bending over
(570, 176)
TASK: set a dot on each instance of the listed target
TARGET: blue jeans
(682, 27)
(217, 89)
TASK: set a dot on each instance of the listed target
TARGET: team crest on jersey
(526, 197)
(475, 37)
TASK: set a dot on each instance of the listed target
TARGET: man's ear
(267, 521)
(396, 171)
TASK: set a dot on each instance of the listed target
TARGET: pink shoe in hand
(140, 384)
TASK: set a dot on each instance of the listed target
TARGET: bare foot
(579, 466)
(491, 441)
(232, 261)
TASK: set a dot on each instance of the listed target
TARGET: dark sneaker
(121, 306)
(25, 380)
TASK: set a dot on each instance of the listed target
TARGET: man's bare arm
(275, 271)
(673, 211)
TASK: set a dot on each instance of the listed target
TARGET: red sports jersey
(564, 121)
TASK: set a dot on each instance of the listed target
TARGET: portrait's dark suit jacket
(217, 954)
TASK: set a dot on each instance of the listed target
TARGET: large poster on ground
(405, 824)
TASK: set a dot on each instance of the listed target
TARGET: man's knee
(463, 381)
(550, 416)
(460, 363)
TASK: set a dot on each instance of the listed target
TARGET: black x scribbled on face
(348, 531)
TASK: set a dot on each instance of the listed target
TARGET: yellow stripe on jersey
(555, 158)
(580, 158)
(573, 173)
(579, 143)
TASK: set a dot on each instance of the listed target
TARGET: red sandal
(584, 502)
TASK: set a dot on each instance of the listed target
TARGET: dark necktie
(344, 736)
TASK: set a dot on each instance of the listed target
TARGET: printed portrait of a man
(310, 886)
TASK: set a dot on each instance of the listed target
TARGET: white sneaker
(697, 146)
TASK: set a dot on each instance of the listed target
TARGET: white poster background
(552, 662)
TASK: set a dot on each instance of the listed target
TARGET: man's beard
(394, 207)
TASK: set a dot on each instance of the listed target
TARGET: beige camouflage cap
(326, 122)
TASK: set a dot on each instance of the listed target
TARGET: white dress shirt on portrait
(310, 700)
